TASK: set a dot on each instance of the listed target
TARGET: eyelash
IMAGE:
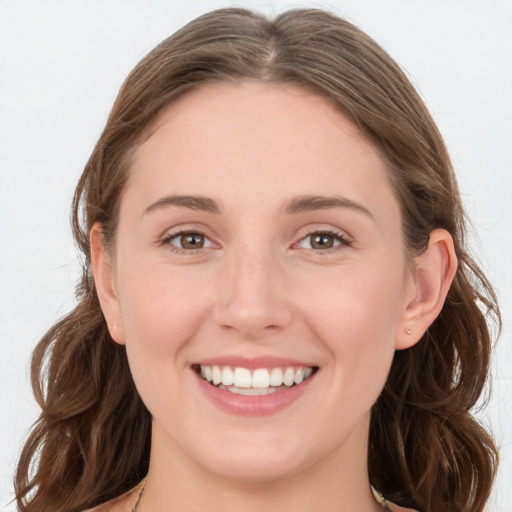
(343, 240)
(180, 250)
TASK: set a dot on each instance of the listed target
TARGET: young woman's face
(259, 242)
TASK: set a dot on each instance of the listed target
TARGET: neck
(337, 482)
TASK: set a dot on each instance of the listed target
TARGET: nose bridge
(251, 293)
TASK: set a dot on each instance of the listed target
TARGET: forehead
(249, 105)
(257, 140)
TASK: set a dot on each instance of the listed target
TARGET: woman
(277, 308)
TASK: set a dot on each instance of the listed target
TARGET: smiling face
(258, 236)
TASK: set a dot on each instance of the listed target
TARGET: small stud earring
(115, 326)
(408, 331)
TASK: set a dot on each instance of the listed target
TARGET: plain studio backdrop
(61, 65)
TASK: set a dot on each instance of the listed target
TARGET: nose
(252, 299)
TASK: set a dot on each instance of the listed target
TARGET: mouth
(254, 381)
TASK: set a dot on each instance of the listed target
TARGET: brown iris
(322, 241)
(192, 241)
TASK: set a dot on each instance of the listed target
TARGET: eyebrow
(299, 204)
(310, 203)
(199, 203)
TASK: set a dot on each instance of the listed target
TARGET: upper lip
(263, 361)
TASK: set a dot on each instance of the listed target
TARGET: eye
(187, 240)
(323, 240)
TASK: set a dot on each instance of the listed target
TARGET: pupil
(192, 241)
(322, 242)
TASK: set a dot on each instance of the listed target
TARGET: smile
(257, 381)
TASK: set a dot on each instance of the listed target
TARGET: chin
(258, 457)
(259, 469)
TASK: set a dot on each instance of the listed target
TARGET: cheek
(161, 309)
(356, 315)
(354, 303)
(161, 314)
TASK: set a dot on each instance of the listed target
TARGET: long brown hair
(92, 440)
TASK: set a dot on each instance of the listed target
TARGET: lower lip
(258, 405)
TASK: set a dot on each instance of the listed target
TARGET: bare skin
(291, 247)
(127, 502)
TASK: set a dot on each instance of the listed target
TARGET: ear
(103, 274)
(432, 275)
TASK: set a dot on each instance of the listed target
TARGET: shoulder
(106, 507)
(123, 503)
(116, 505)
(388, 505)
(396, 508)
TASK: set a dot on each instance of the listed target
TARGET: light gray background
(61, 64)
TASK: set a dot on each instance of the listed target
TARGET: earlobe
(105, 286)
(433, 274)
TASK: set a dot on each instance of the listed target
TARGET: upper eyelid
(174, 234)
(181, 232)
(328, 231)
(184, 229)
(344, 239)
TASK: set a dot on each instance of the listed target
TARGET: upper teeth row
(260, 378)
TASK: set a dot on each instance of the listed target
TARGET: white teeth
(288, 376)
(261, 378)
(276, 377)
(227, 376)
(299, 376)
(216, 375)
(238, 379)
(242, 378)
